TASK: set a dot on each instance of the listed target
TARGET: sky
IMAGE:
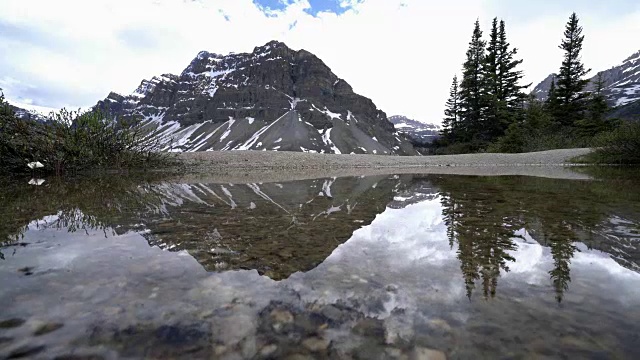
(402, 54)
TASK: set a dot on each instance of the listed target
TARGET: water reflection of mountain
(282, 228)
(276, 228)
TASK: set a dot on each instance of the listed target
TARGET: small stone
(440, 324)
(316, 344)
(268, 349)
(392, 288)
(248, 347)
(11, 323)
(25, 351)
(421, 353)
(282, 316)
(219, 349)
(393, 352)
(332, 312)
(206, 314)
(47, 328)
(369, 328)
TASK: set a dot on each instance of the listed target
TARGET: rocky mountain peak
(225, 102)
(633, 60)
(622, 82)
(416, 131)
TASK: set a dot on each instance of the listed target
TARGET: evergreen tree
(471, 98)
(595, 122)
(551, 103)
(491, 91)
(598, 103)
(510, 93)
(503, 95)
(570, 83)
(451, 112)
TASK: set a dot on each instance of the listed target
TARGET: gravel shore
(278, 166)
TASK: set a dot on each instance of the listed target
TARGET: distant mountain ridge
(622, 82)
(273, 98)
(415, 130)
(28, 114)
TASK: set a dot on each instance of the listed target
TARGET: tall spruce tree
(471, 97)
(510, 91)
(451, 112)
(491, 90)
(570, 83)
(503, 95)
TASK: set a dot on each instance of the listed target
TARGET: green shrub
(74, 141)
(620, 146)
(522, 138)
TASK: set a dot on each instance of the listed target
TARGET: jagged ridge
(622, 82)
(415, 130)
(274, 98)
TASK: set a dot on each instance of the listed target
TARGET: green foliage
(471, 88)
(569, 91)
(620, 146)
(73, 141)
(495, 115)
(451, 112)
(537, 132)
(595, 121)
(489, 97)
(503, 96)
(80, 202)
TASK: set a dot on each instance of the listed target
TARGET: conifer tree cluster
(489, 96)
(489, 110)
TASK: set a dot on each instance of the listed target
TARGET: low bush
(522, 138)
(620, 146)
(73, 141)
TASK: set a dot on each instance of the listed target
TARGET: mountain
(622, 82)
(630, 111)
(417, 131)
(541, 91)
(274, 98)
(28, 114)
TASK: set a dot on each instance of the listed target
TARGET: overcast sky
(400, 53)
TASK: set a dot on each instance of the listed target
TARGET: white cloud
(403, 57)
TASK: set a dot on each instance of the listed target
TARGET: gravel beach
(264, 166)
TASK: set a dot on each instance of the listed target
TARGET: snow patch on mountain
(415, 130)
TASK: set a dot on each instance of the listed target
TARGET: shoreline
(271, 166)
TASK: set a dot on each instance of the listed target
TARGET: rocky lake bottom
(364, 267)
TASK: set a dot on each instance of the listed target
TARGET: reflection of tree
(483, 239)
(482, 214)
(78, 204)
(558, 235)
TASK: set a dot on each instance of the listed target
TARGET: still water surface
(406, 267)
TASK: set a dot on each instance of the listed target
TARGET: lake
(377, 267)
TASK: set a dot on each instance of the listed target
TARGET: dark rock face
(232, 102)
(622, 82)
(418, 132)
(541, 91)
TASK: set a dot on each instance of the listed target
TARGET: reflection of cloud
(528, 256)
(404, 255)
